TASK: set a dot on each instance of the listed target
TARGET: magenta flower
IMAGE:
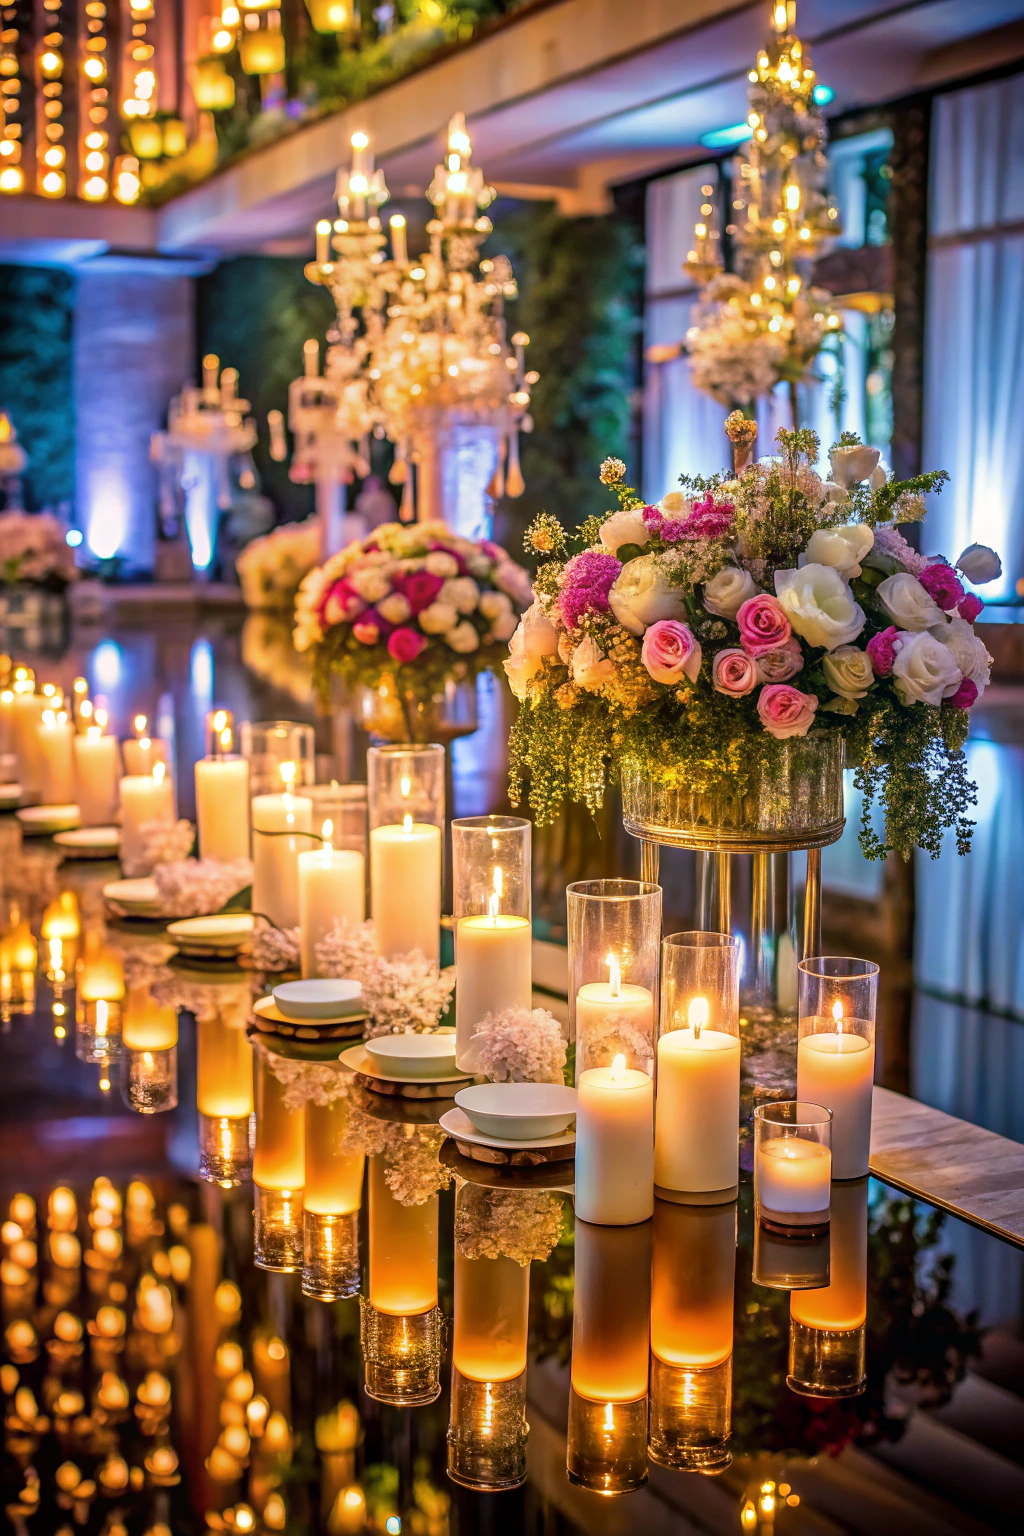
(670, 652)
(763, 625)
(785, 711)
(406, 644)
(942, 584)
(341, 601)
(733, 672)
(653, 518)
(882, 650)
(965, 696)
(586, 582)
(419, 588)
(674, 529)
(969, 607)
(709, 519)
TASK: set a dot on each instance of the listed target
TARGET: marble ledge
(963, 1169)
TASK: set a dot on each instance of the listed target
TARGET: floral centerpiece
(691, 642)
(34, 551)
(270, 568)
(407, 611)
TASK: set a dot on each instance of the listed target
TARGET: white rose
(851, 465)
(463, 637)
(494, 604)
(462, 591)
(968, 651)
(504, 626)
(394, 608)
(514, 580)
(641, 594)
(625, 527)
(848, 671)
(438, 618)
(878, 477)
(535, 638)
(728, 590)
(675, 503)
(371, 585)
(589, 667)
(819, 605)
(836, 494)
(924, 670)
(980, 564)
(440, 564)
(906, 602)
(842, 548)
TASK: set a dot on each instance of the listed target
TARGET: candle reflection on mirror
(828, 1326)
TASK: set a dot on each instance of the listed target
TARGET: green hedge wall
(36, 377)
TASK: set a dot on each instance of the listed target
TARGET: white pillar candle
(696, 1143)
(146, 798)
(28, 715)
(97, 773)
(793, 1176)
(332, 889)
(494, 967)
(405, 888)
(222, 808)
(615, 1145)
(7, 722)
(836, 1067)
(141, 752)
(56, 760)
(608, 1009)
(275, 877)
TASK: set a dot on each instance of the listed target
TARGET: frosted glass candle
(836, 1052)
(792, 1163)
(615, 1145)
(145, 799)
(693, 1280)
(403, 1249)
(494, 965)
(275, 880)
(405, 888)
(332, 889)
(97, 776)
(222, 808)
(56, 761)
(492, 1303)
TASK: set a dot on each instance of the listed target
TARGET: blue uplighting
(823, 94)
(722, 138)
(201, 670)
(73, 537)
(106, 666)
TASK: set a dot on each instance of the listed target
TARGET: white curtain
(974, 371)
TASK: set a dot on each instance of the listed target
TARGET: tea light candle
(696, 1145)
(403, 1249)
(275, 881)
(56, 761)
(97, 773)
(615, 1145)
(836, 1067)
(793, 1178)
(405, 888)
(332, 889)
(605, 1006)
(145, 799)
(143, 751)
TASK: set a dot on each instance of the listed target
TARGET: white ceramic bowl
(413, 1055)
(318, 998)
(518, 1111)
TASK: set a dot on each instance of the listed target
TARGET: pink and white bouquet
(33, 549)
(689, 637)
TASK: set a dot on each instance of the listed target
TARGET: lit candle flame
(837, 1014)
(80, 686)
(100, 716)
(225, 738)
(159, 769)
(327, 832)
(618, 1069)
(49, 718)
(140, 725)
(145, 743)
(85, 709)
(697, 1015)
(287, 771)
(407, 825)
(93, 733)
(406, 788)
(101, 1017)
(614, 976)
(220, 720)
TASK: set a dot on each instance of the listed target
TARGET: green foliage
(37, 377)
(912, 760)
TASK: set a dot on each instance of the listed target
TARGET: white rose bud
(852, 465)
(625, 527)
(463, 638)
(463, 592)
(440, 564)
(819, 605)
(907, 603)
(641, 594)
(371, 585)
(980, 564)
(968, 651)
(438, 618)
(589, 667)
(728, 590)
(848, 671)
(394, 608)
(924, 670)
(842, 548)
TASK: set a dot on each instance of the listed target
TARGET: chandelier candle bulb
(493, 935)
(399, 248)
(836, 1052)
(146, 798)
(615, 1145)
(97, 761)
(275, 881)
(56, 759)
(793, 1165)
(332, 889)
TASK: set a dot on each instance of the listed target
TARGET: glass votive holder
(790, 1263)
(614, 944)
(345, 807)
(696, 1144)
(226, 1145)
(487, 1433)
(269, 743)
(793, 1166)
(493, 939)
(837, 999)
(827, 1362)
(98, 1031)
(405, 787)
(149, 1080)
(330, 1255)
(277, 1229)
(691, 1416)
(405, 781)
(606, 1444)
(219, 732)
(402, 1354)
(827, 1326)
(17, 993)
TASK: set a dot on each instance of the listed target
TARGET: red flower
(419, 588)
(405, 644)
(965, 696)
(970, 607)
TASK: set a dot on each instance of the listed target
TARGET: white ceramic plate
(268, 1009)
(10, 796)
(358, 1059)
(518, 1111)
(89, 842)
(458, 1125)
(223, 933)
(414, 1055)
(42, 820)
(318, 998)
(138, 897)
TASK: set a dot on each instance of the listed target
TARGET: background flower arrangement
(270, 568)
(33, 549)
(691, 637)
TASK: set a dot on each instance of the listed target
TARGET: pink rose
(969, 607)
(965, 696)
(670, 652)
(406, 644)
(734, 672)
(419, 588)
(882, 650)
(942, 584)
(785, 711)
(342, 602)
(763, 625)
(780, 665)
(367, 630)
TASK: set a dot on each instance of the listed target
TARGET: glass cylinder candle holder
(266, 744)
(149, 1083)
(610, 1356)
(332, 1199)
(279, 1173)
(487, 1433)
(606, 1444)
(614, 942)
(345, 807)
(793, 1166)
(225, 1149)
(827, 1339)
(696, 1144)
(277, 1227)
(98, 1031)
(222, 793)
(691, 1416)
(837, 998)
(790, 1263)
(224, 1099)
(406, 811)
(330, 1255)
(493, 939)
(402, 1355)
(491, 1307)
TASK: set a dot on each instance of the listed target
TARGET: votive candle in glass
(149, 1035)
(332, 890)
(696, 1144)
(614, 942)
(222, 794)
(281, 824)
(487, 1432)
(146, 798)
(828, 1327)
(224, 1098)
(406, 810)
(278, 1173)
(332, 1198)
(402, 1329)
(615, 1145)
(793, 1165)
(266, 744)
(142, 750)
(836, 1052)
(492, 1294)
(99, 980)
(493, 940)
